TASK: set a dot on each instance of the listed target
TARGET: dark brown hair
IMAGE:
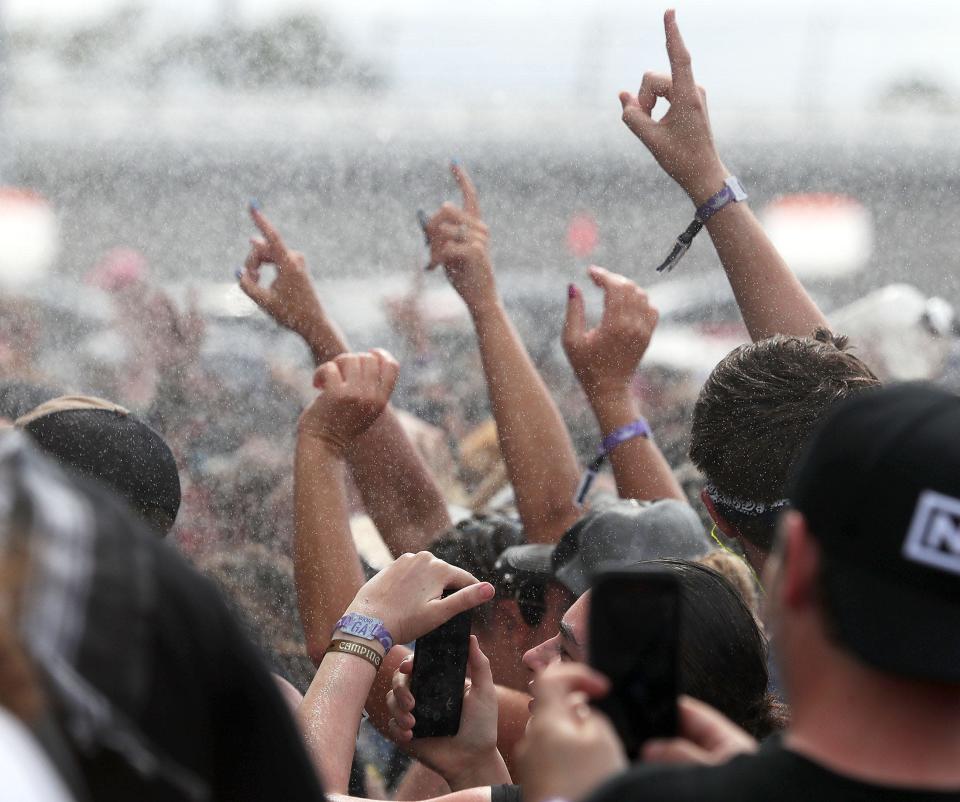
(757, 409)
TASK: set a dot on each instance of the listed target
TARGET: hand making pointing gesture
(681, 141)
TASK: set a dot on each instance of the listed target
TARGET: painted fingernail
(238, 273)
(255, 205)
(454, 162)
(571, 291)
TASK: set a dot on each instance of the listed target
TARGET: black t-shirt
(774, 773)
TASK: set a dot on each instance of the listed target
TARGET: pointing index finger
(681, 66)
(271, 235)
(471, 203)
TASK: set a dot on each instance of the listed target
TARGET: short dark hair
(756, 411)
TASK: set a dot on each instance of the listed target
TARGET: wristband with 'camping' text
(367, 653)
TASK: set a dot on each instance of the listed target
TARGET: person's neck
(876, 727)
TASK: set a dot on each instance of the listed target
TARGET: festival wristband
(732, 192)
(637, 428)
(372, 656)
(363, 626)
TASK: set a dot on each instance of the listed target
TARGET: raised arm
(355, 389)
(771, 299)
(398, 491)
(533, 438)
(605, 360)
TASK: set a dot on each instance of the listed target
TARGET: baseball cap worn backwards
(879, 487)
(621, 534)
(106, 442)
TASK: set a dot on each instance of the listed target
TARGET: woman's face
(569, 644)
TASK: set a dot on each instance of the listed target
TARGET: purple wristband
(639, 428)
(732, 192)
(363, 626)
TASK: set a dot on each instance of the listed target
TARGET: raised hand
(472, 752)
(681, 141)
(407, 596)
(569, 748)
(605, 357)
(459, 240)
(290, 299)
(355, 390)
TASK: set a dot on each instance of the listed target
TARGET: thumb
(252, 289)
(636, 118)
(575, 325)
(673, 750)
(478, 666)
(465, 599)
(327, 376)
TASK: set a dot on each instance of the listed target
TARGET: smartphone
(436, 682)
(634, 630)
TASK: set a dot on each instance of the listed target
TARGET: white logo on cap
(934, 536)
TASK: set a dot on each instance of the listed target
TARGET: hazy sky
(753, 53)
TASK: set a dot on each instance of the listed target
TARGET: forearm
(639, 467)
(330, 714)
(399, 493)
(326, 567)
(420, 782)
(533, 438)
(771, 298)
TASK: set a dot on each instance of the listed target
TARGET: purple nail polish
(571, 291)
(255, 205)
(238, 273)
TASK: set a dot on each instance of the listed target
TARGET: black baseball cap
(623, 533)
(102, 440)
(879, 487)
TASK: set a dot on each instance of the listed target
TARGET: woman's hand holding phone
(470, 758)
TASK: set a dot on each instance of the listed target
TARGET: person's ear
(800, 562)
(728, 529)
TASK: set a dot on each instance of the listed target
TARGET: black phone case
(439, 670)
(642, 700)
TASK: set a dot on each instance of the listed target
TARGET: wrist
(313, 442)
(484, 305)
(479, 769)
(614, 407)
(321, 338)
(706, 184)
(339, 634)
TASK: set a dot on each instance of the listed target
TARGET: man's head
(754, 414)
(104, 441)
(867, 573)
(526, 608)
(620, 534)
